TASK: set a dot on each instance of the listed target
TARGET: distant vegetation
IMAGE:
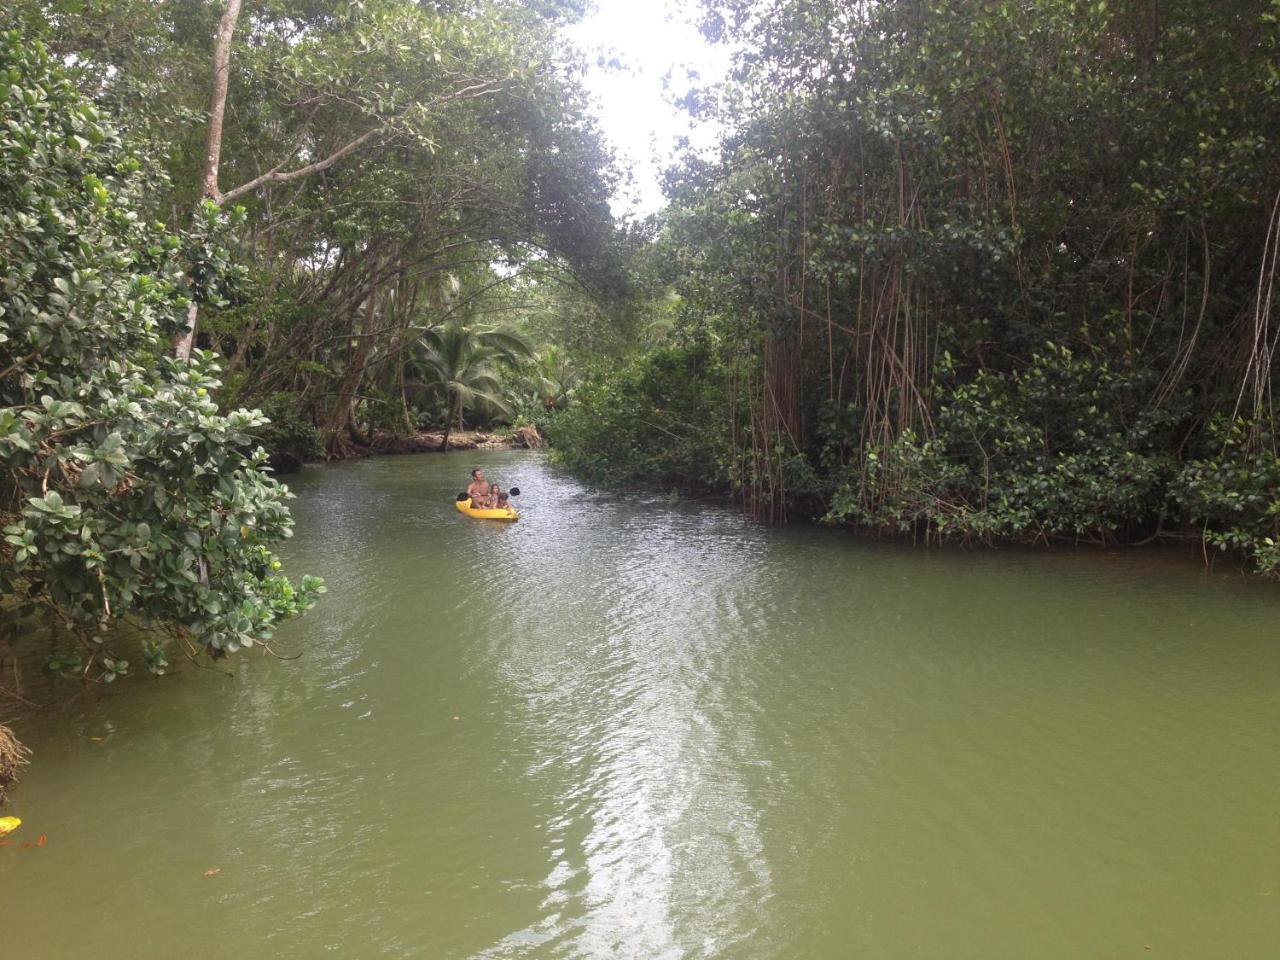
(974, 271)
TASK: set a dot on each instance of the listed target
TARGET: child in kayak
(486, 496)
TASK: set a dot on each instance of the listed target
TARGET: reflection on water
(629, 728)
(659, 840)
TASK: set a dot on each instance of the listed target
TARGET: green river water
(629, 728)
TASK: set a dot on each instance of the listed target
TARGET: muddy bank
(523, 438)
(427, 441)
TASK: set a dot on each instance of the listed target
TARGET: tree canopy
(125, 492)
(379, 153)
(1001, 269)
(344, 192)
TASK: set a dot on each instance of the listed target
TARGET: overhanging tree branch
(274, 175)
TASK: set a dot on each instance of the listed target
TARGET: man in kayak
(477, 490)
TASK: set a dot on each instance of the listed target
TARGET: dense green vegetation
(987, 271)
(125, 492)
(654, 420)
(999, 272)
(231, 231)
(395, 169)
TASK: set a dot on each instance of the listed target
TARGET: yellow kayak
(464, 506)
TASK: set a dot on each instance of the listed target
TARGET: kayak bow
(464, 506)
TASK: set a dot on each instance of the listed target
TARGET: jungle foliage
(1001, 270)
(993, 270)
(398, 170)
(125, 493)
(382, 216)
(648, 422)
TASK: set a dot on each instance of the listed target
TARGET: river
(632, 728)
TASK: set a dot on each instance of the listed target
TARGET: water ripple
(625, 727)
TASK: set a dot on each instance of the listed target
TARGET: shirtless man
(477, 490)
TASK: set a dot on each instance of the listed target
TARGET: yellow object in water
(9, 824)
(506, 513)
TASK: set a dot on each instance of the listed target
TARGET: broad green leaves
(124, 489)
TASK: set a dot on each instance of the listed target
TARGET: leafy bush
(124, 492)
(656, 421)
(1044, 452)
(1232, 493)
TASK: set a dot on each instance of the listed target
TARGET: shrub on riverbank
(1230, 492)
(658, 421)
(124, 492)
(1062, 449)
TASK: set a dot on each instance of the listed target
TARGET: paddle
(513, 492)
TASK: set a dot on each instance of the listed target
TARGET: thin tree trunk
(342, 419)
(404, 402)
(218, 99)
(213, 145)
(448, 427)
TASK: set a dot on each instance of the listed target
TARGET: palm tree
(553, 378)
(466, 364)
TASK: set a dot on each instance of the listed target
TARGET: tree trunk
(342, 420)
(218, 99)
(448, 427)
(409, 425)
(185, 340)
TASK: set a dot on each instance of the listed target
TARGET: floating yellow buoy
(9, 824)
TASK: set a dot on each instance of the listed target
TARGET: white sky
(658, 45)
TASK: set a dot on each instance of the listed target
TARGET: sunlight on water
(629, 728)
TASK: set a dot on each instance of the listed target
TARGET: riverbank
(432, 441)
(424, 441)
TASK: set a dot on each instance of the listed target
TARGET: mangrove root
(13, 756)
(529, 438)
